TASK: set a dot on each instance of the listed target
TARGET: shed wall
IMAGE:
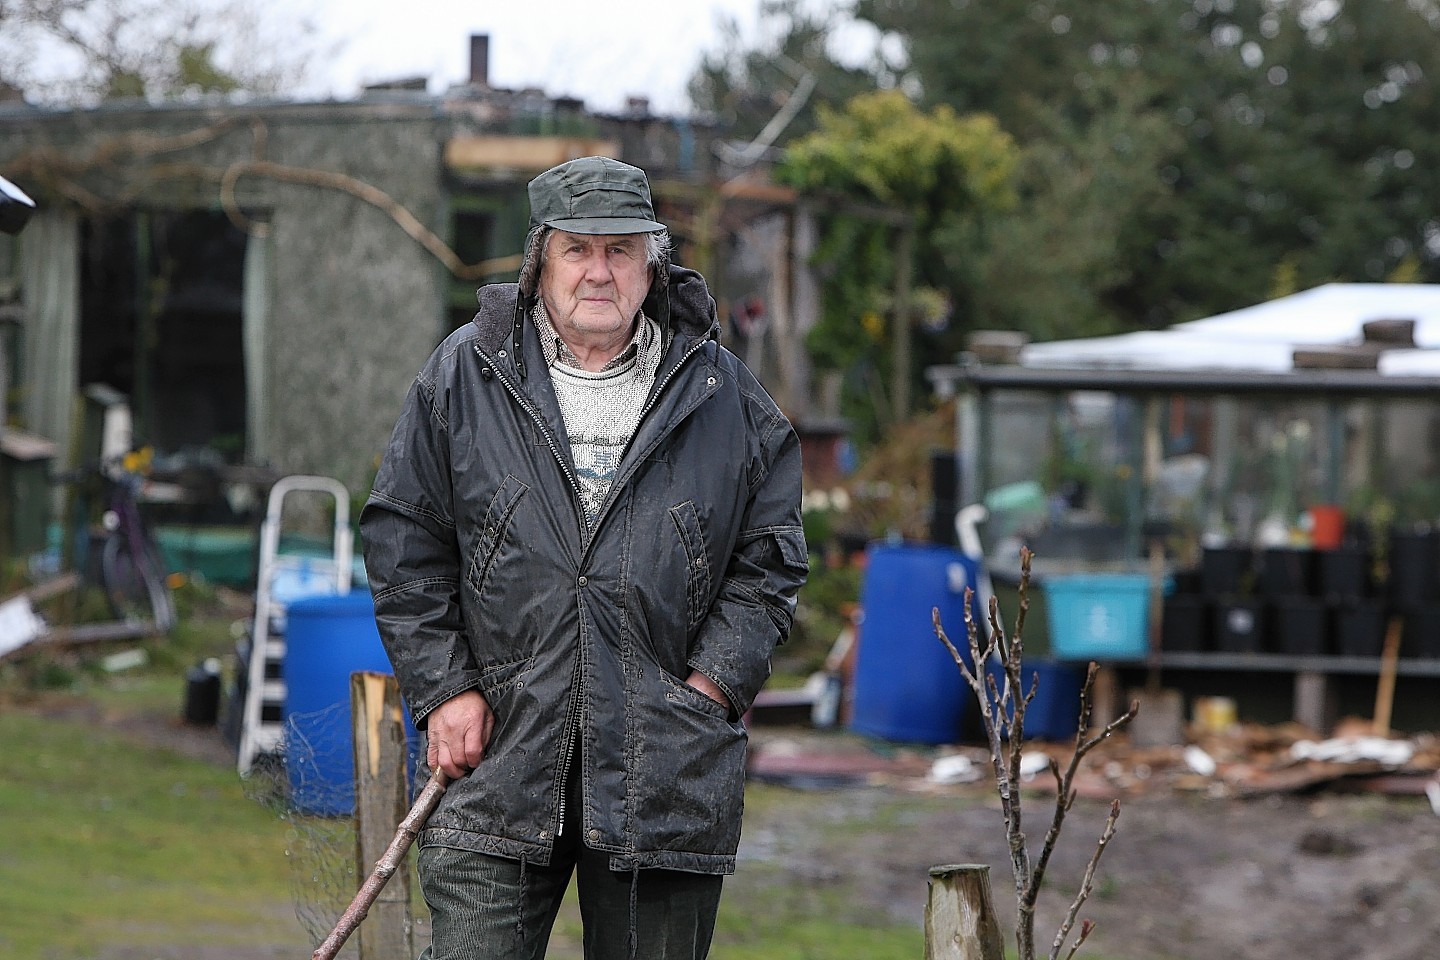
(348, 305)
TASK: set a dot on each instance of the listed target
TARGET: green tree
(1270, 145)
(879, 167)
(1051, 261)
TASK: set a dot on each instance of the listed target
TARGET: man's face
(592, 286)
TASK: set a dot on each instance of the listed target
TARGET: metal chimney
(480, 59)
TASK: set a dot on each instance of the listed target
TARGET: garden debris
(810, 759)
(1246, 760)
(124, 660)
(955, 768)
(1382, 750)
(19, 624)
(1199, 761)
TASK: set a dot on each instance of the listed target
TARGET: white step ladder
(280, 580)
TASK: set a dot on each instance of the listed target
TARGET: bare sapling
(1002, 707)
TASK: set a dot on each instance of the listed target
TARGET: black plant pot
(1188, 581)
(1226, 571)
(1359, 628)
(1414, 561)
(1185, 624)
(1239, 625)
(1287, 572)
(1421, 636)
(1344, 573)
(1301, 626)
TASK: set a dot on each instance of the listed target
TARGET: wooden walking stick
(385, 868)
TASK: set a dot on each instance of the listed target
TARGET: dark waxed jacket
(486, 577)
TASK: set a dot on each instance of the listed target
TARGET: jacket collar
(690, 310)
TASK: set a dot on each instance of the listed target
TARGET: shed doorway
(161, 321)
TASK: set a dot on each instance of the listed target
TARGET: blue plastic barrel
(1054, 713)
(907, 687)
(327, 638)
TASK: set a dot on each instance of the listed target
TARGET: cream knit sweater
(601, 409)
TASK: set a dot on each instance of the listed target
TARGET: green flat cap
(593, 195)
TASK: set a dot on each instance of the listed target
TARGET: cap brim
(595, 226)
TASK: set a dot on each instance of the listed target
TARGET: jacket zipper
(571, 721)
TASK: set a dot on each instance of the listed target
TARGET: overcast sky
(600, 52)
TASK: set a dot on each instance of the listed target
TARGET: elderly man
(584, 542)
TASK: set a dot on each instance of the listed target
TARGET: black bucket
(202, 694)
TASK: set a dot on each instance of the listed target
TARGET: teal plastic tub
(1098, 616)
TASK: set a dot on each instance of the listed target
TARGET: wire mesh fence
(308, 783)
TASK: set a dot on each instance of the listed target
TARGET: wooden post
(901, 349)
(1314, 702)
(960, 921)
(380, 803)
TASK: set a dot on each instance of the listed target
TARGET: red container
(1327, 526)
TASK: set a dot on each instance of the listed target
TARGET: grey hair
(658, 247)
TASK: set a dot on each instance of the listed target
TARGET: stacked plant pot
(1308, 602)
(1299, 615)
(1413, 588)
(1357, 614)
(1185, 618)
(1237, 611)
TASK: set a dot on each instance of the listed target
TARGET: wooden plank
(45, 589)
(522, 153)
(960, 921)
(380, 748)
(82, 633)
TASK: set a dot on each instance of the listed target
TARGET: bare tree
(82, 52)
(1002, 707)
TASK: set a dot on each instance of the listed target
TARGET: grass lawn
(103, 843)
(110, 847)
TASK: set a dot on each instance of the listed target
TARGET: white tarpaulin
(1263, 338)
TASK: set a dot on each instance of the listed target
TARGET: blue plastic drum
(907, 686)
(327, 638)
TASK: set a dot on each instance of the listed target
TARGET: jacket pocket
(688, 782)
(491, 532)
(682, 693)
(697, 561)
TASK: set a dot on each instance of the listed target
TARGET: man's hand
(457, 733)
(708, 687)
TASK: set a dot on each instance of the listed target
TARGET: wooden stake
(1385, 690)
(960, 922)
(380, 791)
(386, 717)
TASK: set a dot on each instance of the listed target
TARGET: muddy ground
(1323, 873)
